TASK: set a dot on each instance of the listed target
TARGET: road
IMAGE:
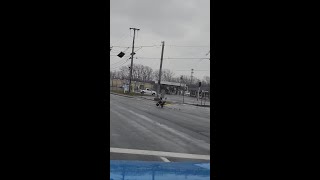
(142, 131)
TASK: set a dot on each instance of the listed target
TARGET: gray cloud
(177, 22)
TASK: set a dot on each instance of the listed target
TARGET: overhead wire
(172, 58)
(124, 35)
(136, 46)
(187, 46)
(122, 60)
(124, 56)
(157, 46)
(196, 65)
(193, 70)
(121, 64)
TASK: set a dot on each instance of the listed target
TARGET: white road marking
(182, 135)
(159, 153)
(164, 159)
(174, 131)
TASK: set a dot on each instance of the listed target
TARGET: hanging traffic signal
(121, 54)
(199, 84)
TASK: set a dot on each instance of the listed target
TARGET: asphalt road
(142, 131)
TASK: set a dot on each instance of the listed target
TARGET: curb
(121, 95)
(191, 104)
(118, 94)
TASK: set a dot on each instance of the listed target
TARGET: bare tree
(206, 80)
(166, 75)
(142, 73)
(113, 74)
(139, 73)
(147, 73)
(186, 79)
(123, 72)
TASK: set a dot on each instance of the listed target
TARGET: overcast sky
(177, 22)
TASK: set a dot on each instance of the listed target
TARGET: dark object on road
(161, 102)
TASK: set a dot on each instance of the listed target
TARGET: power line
(160, 46)
(150, 46)
(120, 47)
(137, 46)
(196, 65)
(124, 51)
(121, 64)
(193, 70)
(185, 46)
(138, 49)
(185, 58)
(172, 58)
(124, 35)
(122, 60)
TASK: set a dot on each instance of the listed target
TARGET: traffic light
(121, 54)
(199, 84)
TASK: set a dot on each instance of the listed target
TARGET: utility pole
(134, 34)
(159, 79)
(181, 78)
(191, 76)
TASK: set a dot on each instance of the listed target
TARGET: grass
(129, 94)
(117, 91)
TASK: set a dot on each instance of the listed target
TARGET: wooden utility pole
(131, 67)
(191, 75)
(159, 79)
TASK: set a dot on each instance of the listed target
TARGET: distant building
(136, 86)
(171, 87)
(194, 90)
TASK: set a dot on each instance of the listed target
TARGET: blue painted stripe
(158, 170)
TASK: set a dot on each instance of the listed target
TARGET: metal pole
(201, 97)
(183, 96)
(131, 67)
(198, 94)
(159, 79)
(182, 90)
